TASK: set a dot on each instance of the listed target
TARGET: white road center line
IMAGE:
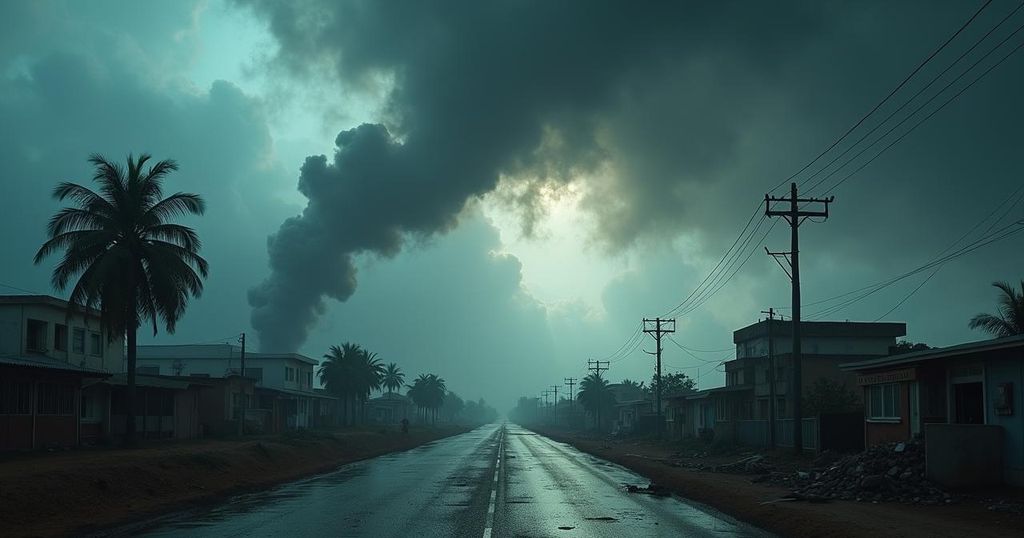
(489, 527)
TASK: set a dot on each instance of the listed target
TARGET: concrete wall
(877, 432)
(820, 345)
(964, 455)
(1008, 369)
(14, 334)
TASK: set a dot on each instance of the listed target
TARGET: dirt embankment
(737, 496)
(61, 493)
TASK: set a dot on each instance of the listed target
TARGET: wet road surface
(494, 481)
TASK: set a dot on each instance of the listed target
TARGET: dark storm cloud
(477, 87)
(62, 99)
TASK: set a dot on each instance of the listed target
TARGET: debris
(602, 518)
(651, 489)
(894, 472)
(566, 528)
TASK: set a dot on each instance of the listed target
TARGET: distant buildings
(284, 396)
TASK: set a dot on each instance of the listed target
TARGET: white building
(46, 357)
(285, 395)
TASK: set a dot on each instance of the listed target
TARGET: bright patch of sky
(559, 263)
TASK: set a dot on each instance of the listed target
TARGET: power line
(932, 113)
(887, 97)
(905, 103)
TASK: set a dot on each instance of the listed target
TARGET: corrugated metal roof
(152, 381)
(49, 364)
(938, 353)
(212, 351)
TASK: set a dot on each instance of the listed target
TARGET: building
(389, 408)
(284, 398)
(46, 355)
(965, 400)
(756, 387)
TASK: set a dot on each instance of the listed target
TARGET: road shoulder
(736, 496)
(86, 490)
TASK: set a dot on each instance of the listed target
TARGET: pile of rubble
(755, 464)
(893, 472)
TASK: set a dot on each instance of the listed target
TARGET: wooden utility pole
(770, 439)
(554, 411)
(659, 327)
(795, 216)
(571, 381)
(245, 396)
(595, 367)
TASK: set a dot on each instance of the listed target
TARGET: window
(95, 345)
(289, 373)
(78, 340)
(147, 370)
(780, 407)
(14, 398)
(721, 410)
(90, 407)
(56, 399)
(884, 401)
(36, 337)
(780, 373)
(309, 379)
(60, 337)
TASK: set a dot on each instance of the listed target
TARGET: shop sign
(893, 376)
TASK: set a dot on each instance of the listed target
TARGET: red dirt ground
(738, 497)
(55, 494)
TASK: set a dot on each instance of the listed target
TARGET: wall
(876, 433)
(964, 455)
(14, 331)
(1008, 369)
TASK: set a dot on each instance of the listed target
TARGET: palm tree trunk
(133, 329)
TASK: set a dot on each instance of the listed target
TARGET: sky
(497, 192)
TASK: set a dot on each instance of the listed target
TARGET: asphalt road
(494, 481)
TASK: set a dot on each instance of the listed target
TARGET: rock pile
(751, 465)
(893, 472)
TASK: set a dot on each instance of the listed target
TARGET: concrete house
(965, 400)
(284, 397)
(741, 409)
(45, 358)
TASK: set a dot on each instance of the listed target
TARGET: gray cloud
(476, 88)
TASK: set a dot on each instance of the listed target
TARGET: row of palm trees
(352, 373)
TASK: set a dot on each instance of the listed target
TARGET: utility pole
(771, 378)
(795, 216)
(546, 393)
(595, 367)
(555, 410)
(660, 327)
(245, 396)
(571, 381)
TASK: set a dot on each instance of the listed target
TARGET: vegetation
(1009, 319)
(428, 392)
(829, 396)
(596, 397)
(673, 384)
(131, 263)
(393, 378)
(906, 346)
(351, 373)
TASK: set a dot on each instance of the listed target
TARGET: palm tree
(129, 261)
(596, 397)
(368, 373)
(336, 373)
(428, 393)
(393, 378)
(1009, 320)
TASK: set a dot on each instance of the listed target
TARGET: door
(968, 403)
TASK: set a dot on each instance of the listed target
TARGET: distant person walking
(405, 425)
